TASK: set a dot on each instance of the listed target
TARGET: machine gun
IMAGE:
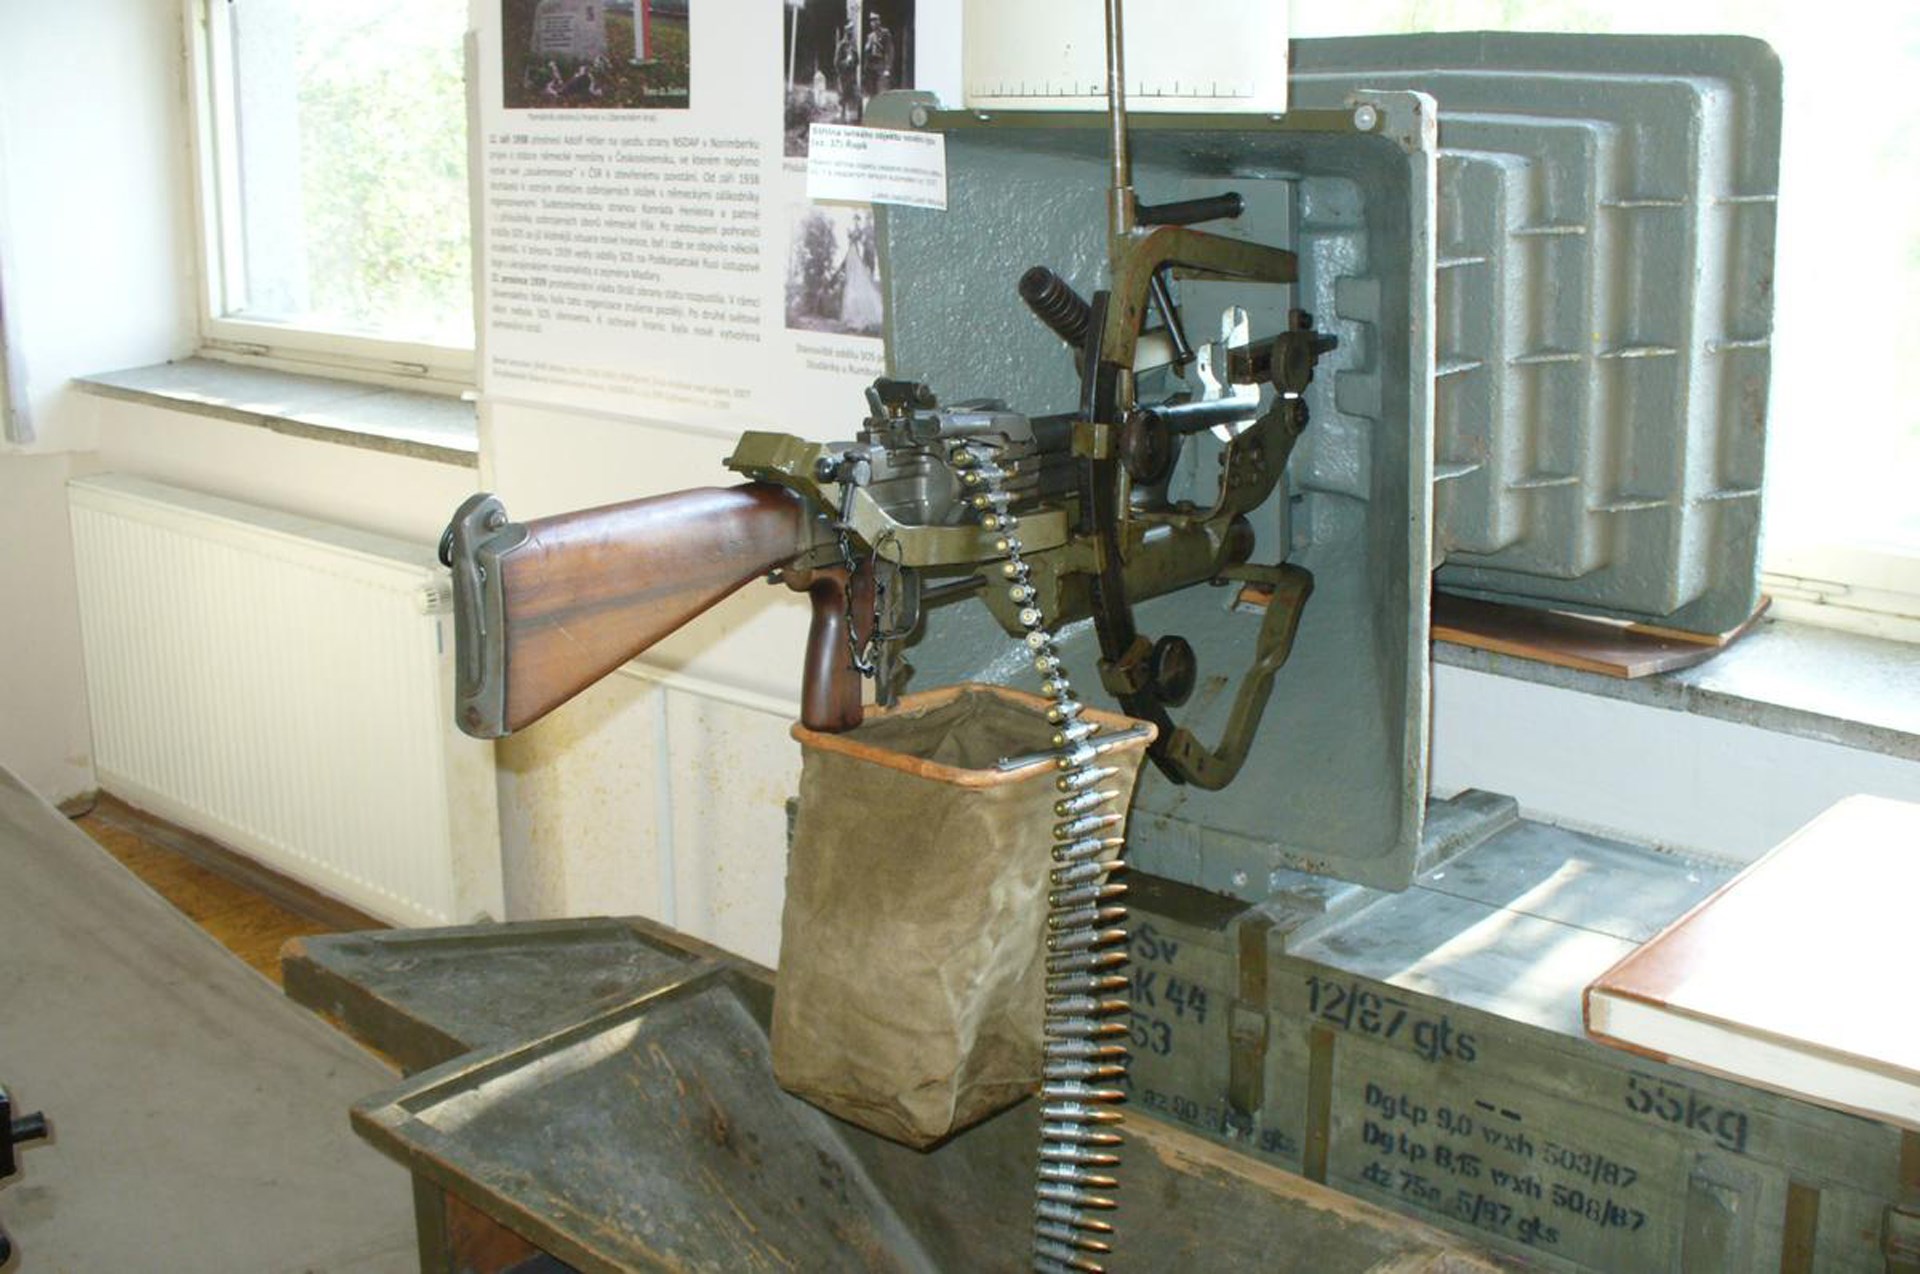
(924, 505)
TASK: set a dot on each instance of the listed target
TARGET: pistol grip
(830, 688)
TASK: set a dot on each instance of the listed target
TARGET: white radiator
(281, 685)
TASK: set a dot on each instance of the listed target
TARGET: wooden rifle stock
(585, 592)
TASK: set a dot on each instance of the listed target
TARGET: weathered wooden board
(425, 996)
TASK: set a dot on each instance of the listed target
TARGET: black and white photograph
(833, 272)
(594, 54)
(840, 55)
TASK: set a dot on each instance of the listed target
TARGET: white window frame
(443, 369)
(1860, 588)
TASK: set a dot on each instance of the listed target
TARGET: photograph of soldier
(846, 71)
(839, 55)
(594, 54)
(833, 272)
(877, 57)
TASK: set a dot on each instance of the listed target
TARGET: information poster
(647, 244)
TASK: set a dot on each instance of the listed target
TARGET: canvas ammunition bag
(909, 992)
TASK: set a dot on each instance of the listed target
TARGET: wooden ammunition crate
(1424, 1051)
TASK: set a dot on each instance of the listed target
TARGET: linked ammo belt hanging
(1085, 1024)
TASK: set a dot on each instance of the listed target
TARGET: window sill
(403, 422)
(1786, 677)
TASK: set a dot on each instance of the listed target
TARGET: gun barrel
(1193, 417)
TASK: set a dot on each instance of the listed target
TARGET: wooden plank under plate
(1576, 641)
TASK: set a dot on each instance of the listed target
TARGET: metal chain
(1084, 1047)
(860, 652)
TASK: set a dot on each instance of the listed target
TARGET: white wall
(95, 261)
(1672, 779)
(95, 245)
(655, 795)
(43, 712)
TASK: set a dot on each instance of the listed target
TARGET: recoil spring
(1085, 1025)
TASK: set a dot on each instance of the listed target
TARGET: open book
(1796, 975)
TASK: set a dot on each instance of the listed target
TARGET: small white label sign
(877, 165)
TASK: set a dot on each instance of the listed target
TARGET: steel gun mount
(908, 515)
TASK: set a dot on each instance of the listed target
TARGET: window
(333, 146)
(1843, 452)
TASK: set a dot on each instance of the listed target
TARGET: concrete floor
(200, 1120)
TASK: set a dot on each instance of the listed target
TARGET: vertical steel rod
(1120, 203)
